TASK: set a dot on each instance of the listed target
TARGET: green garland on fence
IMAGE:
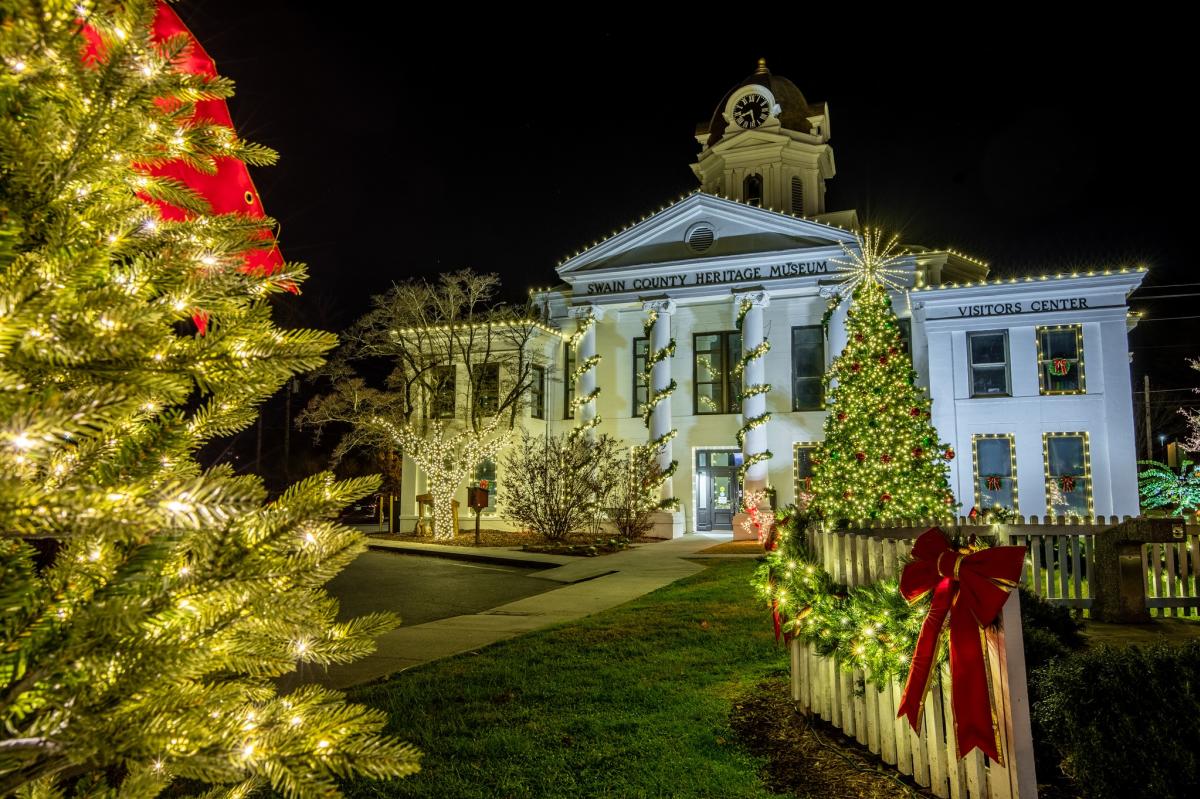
(654, 397)
(871, 627)
(760, 350)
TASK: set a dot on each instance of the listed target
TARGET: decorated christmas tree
(148, 604)
(881, 457)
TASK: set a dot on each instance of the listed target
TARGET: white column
(585, 386)
(755, 372)
(660, 380)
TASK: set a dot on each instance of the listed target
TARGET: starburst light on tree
(872, 261)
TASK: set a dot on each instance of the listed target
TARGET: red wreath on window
(1060, 367)
(994, 482)
(1067, 483)
(483, 484)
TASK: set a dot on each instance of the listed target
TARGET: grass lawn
(631, 702)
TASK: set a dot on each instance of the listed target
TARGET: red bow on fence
(970, 588)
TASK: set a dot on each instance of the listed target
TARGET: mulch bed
(745, 547)
(807, 757)
(511, 538)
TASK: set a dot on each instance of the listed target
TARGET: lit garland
(881, 457)
(760, 350)
(870, 627)
(655, 396)
(448, 461)
(586, 324)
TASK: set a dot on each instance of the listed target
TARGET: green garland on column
(749, 424)
(582, 368)
(654, 397)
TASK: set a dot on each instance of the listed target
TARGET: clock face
(751, 111)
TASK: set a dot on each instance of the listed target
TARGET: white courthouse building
(1029, 377)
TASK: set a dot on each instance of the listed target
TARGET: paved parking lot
(423, 589)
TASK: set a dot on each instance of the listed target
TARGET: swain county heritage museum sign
(711, 278)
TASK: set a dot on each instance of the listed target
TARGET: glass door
(718, 494)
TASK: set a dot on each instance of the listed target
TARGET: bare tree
(1192, 442)
(429, 337)
(632, 491)
(553, 484)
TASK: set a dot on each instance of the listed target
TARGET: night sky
(413, 145)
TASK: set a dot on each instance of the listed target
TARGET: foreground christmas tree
(881, 458)
(146, 604)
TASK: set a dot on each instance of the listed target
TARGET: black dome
(794, 110)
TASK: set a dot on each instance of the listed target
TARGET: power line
(1166, 319)
(1171, 286)
(1141, 297)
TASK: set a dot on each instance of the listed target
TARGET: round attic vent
(700, 236)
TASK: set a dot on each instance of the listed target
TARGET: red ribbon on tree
(970, 588)
(229, 189)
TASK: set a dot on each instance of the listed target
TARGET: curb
(495, 559)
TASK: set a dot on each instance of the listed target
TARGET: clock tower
(767, 146)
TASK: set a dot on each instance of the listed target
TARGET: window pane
(708, 342)
(906, 333)
(1059, 343)
(488, 380)
(443, 392)
(808, 366)
(709, 398)
(1066, 455)
(807, 394)
(640, 394)
(992, 380)
(987, 348)
(537, 394)
(993, 473)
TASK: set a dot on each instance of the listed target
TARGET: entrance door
(718, 494)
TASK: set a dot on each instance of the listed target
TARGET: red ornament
(915, 412)
(855, 367)
(885, 497)
(917, 452)
(986, 576)
(841, 416)
(882, 360)
(885, 458)
(949, 454)
(847, 494)
(858, 337)
(974, 514)
(892, 350)
(861, 456)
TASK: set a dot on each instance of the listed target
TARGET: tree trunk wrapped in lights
(149, 604)
(881, 457)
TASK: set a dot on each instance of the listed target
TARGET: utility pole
(1149, 433)
(292, 385)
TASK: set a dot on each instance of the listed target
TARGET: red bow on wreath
(993, 482)
(970, 588)
(1060, 366)
(1067, 482)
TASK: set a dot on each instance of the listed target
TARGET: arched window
(797, 196)
(752, 190)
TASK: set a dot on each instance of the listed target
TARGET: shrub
(1125, 722)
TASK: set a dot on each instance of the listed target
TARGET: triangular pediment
(738, 230)
(749, 139)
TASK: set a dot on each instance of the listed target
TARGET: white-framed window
(802, 468)
(987, 352)
(1060, 359)
(995, 471)
(1068, 474)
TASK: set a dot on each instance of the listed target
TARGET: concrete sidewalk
(592, 585)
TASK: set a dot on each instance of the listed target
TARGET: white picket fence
(849, 702)
(1060, 558)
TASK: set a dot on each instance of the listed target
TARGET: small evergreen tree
(147, 603)
(881, 457)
